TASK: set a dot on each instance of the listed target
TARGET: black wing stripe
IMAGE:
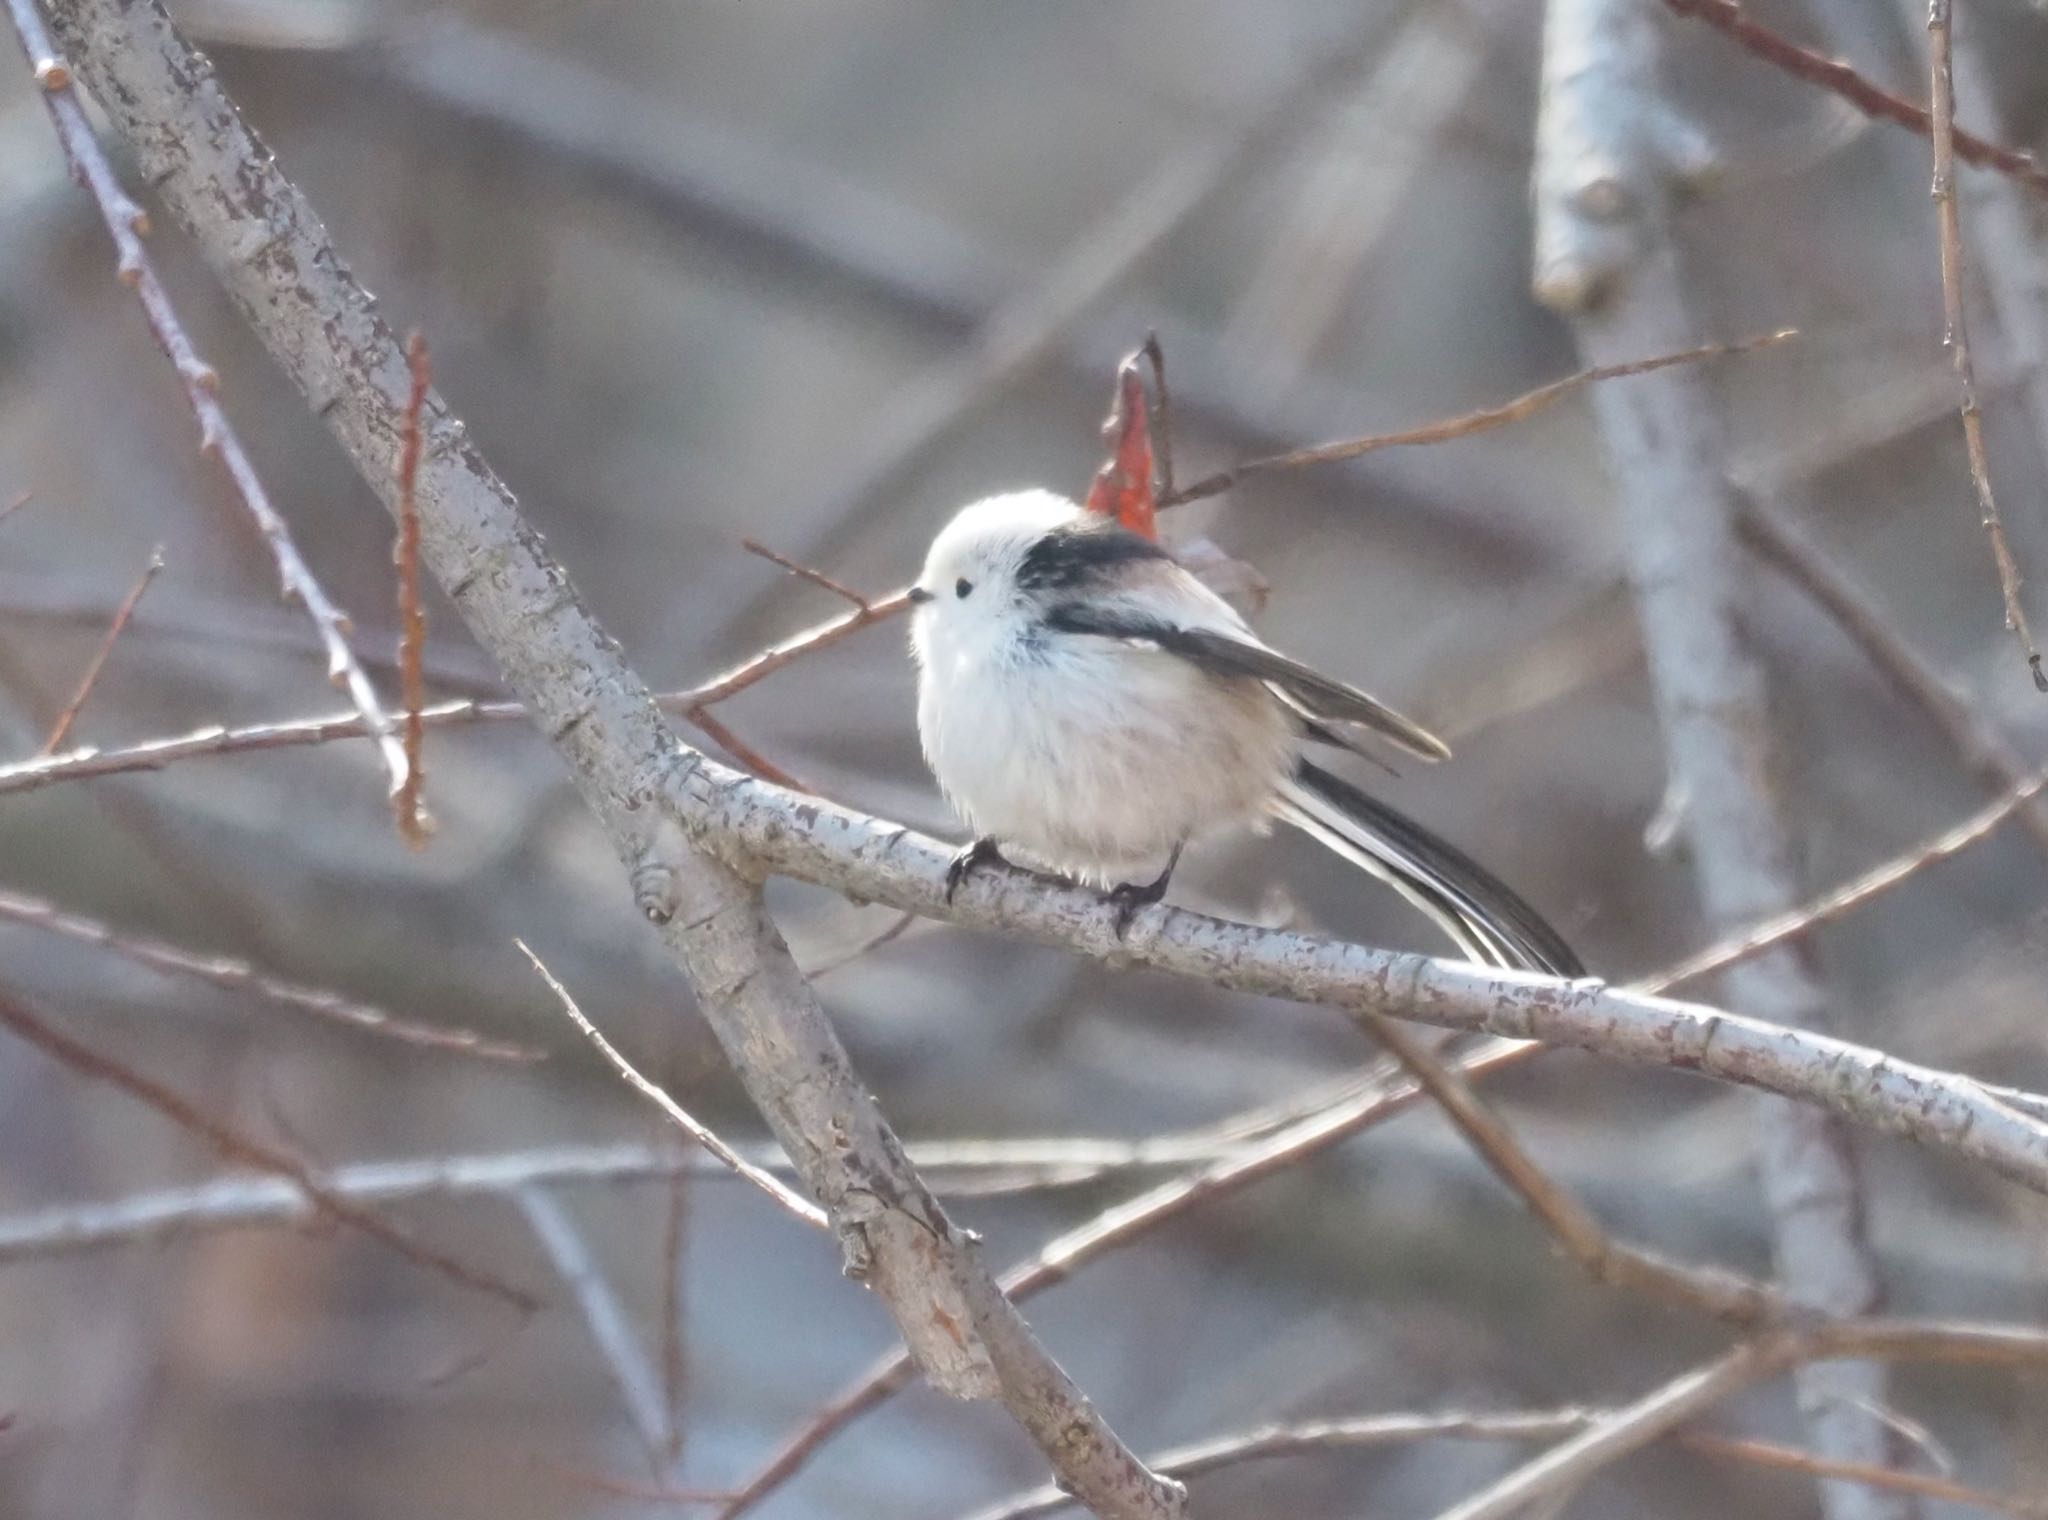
(1332, 701)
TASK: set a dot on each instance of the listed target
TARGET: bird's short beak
(919, 596)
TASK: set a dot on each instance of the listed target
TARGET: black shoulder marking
(1067, 558)
(1313, 695)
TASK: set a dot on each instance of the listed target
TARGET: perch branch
(886, 863)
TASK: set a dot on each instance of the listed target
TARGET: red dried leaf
(1123, 487)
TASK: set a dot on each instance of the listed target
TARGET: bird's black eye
(962, 586)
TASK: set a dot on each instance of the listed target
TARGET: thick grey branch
(887, 863)
(262, 241)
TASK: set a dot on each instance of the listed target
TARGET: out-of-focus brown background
(692, 272)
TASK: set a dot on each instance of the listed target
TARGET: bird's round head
(974, 580)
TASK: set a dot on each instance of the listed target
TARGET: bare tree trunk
(1612, 157)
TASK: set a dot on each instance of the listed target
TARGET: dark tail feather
(1480, 914)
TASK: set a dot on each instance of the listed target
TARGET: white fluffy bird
(1090, 707)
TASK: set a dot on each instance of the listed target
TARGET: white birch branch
(881, 862)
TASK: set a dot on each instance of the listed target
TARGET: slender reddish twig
(901, 926)
(413, 823)
(623, 1488)
(61, 730)
(821, 636)
(1464, 426)
(239, 976)
(1925, 1485)
(235, 1146)
(805, 572)
(1836, 77)
(722, 735)
(214, 740)
(14, 506)
(126, 224)
(1956, 330)
(1722, 1294)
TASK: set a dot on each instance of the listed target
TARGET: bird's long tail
(1482, 916)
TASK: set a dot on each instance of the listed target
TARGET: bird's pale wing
(1311, 693)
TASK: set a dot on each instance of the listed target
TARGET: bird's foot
(980, 853)
(1130, 896)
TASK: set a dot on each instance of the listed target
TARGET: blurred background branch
(701, 278)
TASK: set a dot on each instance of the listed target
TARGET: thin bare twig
(721, 734)
(240, 976)
(1725, 1295)
(692, 703)
(61, 730)
(1980, 746)
(1369, 1431)
(1630, 1428)
(896, 930)
(19, 501)
(603, 1316)
(413, 824)
(809, 641)
(1377, 1099)
(1465, 425)
(1956, 328)
(806, 573)
(126, 223)
(620, 1488)
(236, 1146)
(1729, 18)
(239, 1201)
(674, 1364)
(1366, 1431)
(790, 1201)
(1923, 1485)
(1830, 906)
